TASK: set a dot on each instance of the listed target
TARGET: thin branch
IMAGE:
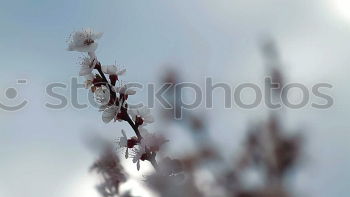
(126, 116)
(133, 126)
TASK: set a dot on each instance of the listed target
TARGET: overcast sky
(42, 153)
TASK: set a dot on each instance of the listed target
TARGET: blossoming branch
(112, 97)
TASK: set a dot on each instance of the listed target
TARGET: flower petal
(109, 114)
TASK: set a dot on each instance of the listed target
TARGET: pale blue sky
(42, 151)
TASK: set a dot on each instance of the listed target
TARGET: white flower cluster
(113, 99)
(104, 90)
(149, 144)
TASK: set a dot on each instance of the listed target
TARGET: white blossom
(110, 113)
(122, 142)
(84, 41)
(112, 70)
(143, 112)
(87, 66)
(88, 80)
(102, 95)
(151, 141)
(136, 156)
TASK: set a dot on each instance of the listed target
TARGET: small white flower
(113, 70)
(110, 113)
(151, 141)
(123, 143)
(125, 89)
(88, 80)
(143, 113)
(87, 66)
(102, 95)
(136, 156)
(84, 41)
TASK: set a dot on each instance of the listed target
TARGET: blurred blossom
(109, 167)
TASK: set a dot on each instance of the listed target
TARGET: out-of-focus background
(42, 150)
